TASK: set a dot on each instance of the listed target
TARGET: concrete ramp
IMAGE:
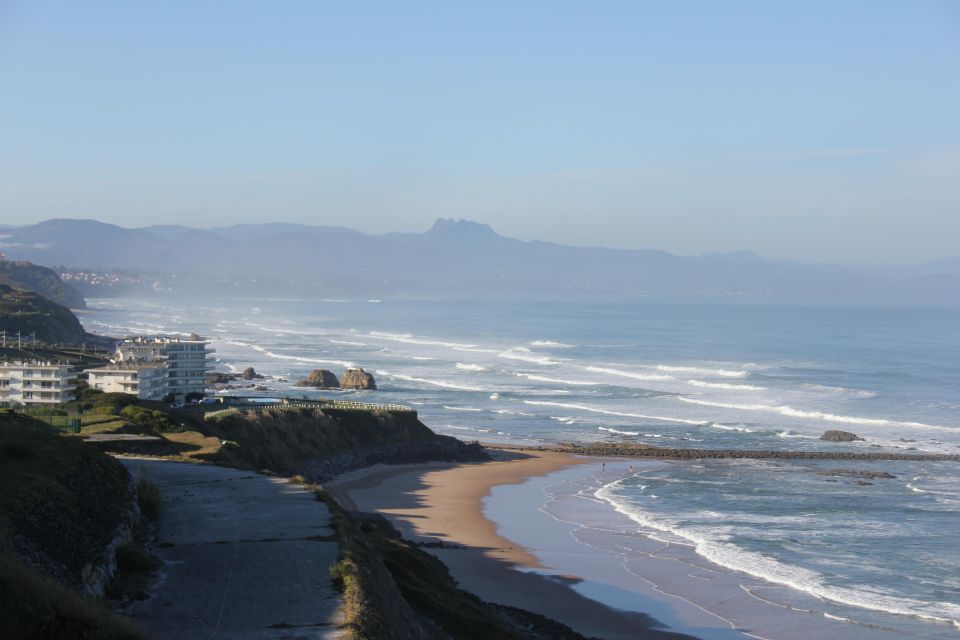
(245, 556)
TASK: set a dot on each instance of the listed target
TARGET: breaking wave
(784, 410)
(583, 407)
(437, 383)
(725, 385)
(470, 367)
(723, 373)
(628, 374)
(731, 556)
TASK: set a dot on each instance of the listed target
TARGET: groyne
(647, 451)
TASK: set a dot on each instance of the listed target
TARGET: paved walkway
(245, 556)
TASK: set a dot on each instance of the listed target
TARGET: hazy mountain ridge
(460, 257)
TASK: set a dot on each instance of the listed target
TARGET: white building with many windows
(146, 380)
(36, 383)
(185, 360)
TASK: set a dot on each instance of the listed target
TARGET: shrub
(148, 497)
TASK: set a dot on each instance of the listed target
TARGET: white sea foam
(494, 396)
(349, 343)
(727, 427)
(794, 434)
(552, 344)
(525, 355)
(280, 356)
(725, 385)
(536, 378)
(583, 407)
(470, 367)
(470, 409)
(723, 373)
(625, 433)
(408, 338)
(729, 555)
(437, 383)
(817, 415)
(629, 374)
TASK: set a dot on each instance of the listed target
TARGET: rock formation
(357, 379)
(834, 435)
(250, 374)
(321, 379)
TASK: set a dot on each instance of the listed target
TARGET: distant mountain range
(452, 258)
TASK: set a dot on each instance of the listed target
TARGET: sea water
(816, 536)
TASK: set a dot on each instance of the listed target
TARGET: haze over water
(878, 553)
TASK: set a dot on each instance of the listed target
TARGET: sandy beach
(444, 503)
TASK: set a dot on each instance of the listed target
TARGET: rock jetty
(614, 450)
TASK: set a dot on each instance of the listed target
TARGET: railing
(339, 405)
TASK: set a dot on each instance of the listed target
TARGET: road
(245, 556)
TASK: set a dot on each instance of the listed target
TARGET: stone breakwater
(646, 451)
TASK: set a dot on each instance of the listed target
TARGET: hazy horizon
(811, 131)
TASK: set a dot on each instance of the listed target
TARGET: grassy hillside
(60, 504)
(31, 313)
(21, 274)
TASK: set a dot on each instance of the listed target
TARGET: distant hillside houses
(154, 367)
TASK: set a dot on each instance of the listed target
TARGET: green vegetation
(21, 274)
(60, 506)
(33, 606)
(148, 498)
(29, 313)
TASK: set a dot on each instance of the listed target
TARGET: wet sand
(444, 503)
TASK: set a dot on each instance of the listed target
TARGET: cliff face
(320, 444)
(29, 312)
(21, 274)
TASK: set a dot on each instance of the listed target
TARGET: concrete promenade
(245, 556)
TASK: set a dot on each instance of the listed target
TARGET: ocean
(866, 556)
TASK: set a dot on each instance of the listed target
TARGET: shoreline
(444, 503)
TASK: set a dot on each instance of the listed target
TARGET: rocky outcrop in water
(320, 379)
(857, 473)
(357, 379)
(835, 435)
(250, 374)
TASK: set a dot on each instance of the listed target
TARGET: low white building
(36, 383)
(185, 360)
(146, 380)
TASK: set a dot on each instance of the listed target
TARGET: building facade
(146, 380)
(185, 360)
(36, 383)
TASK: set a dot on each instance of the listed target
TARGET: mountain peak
(463, 229)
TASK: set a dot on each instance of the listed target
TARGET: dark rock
(856, 473)
(835, 435)
(250, 374)
(321, 379)
(357, 379)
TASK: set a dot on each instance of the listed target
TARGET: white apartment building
(146, 380)
(185, 359)
(36, 383)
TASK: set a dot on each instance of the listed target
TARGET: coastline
(444, 503)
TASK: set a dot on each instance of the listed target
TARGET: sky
(809, 130)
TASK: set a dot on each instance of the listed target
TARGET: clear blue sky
(807, 130)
